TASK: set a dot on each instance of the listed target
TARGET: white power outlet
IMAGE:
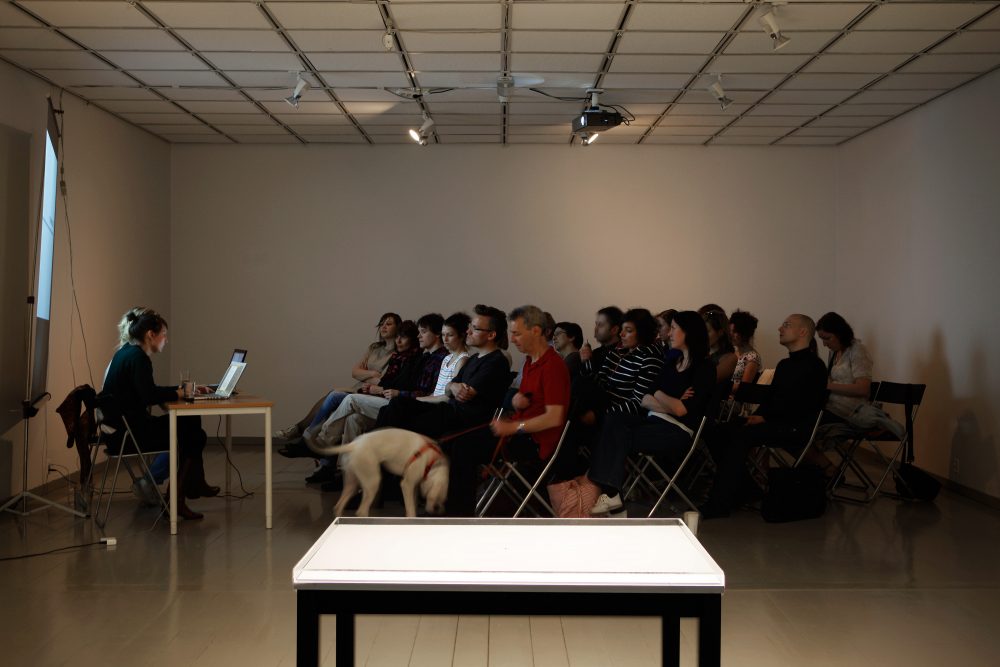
(956, 465)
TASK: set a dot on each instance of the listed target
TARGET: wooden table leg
(172, 472)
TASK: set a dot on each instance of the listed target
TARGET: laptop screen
(230, 379)
(239, 356)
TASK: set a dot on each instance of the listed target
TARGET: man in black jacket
(796, 395)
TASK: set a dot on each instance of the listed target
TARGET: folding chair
(128, 448)
(909, 397)
(506, 477)
(648, 461)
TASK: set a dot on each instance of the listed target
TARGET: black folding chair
(647, 464)
(506, 476)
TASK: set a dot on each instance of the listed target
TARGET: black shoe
(323, 475)
(296, 449)
(335, 484)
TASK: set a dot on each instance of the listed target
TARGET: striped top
(449, 367)
(628, 375)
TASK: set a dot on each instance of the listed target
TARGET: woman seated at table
(129, 383)
(671, 412)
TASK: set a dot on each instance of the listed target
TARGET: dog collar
(428, 446)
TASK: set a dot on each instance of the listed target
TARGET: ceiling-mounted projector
(594, 118)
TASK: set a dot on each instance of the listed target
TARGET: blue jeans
(330, 403)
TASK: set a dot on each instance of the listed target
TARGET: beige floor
(890, 584)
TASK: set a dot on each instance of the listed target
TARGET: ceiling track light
(719, 93)
(301, 85)
(420, 136)
(586, 141)
(769, 22)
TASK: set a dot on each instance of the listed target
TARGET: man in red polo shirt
(542, 402)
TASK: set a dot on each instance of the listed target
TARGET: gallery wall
(118, 189)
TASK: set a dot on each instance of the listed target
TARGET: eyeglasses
(478, 330)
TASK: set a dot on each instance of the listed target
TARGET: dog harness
(428, 446)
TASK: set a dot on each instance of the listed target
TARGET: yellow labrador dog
(412, 456)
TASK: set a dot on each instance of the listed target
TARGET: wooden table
(237, 405)
(591, 567)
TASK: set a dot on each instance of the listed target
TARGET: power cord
(108, 541)
(229, 462)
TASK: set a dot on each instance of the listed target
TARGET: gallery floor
(890, 584)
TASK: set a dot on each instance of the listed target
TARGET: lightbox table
(588, 567)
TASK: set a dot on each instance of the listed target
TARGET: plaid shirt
(428, 374)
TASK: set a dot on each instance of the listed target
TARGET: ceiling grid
(220, 70)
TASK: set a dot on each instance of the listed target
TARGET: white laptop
(226, 386)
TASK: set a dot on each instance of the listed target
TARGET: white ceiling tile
(852, 64)
(261, 79)
(34, 38)
(456, 62)
(161, 119)
(282, 107)
(269, 128)
(895, 96)
(741, 81)
(471, 139)
(394, 139)
(143, 106)
(800, 16)
(766, 109)
(637, 96)
(316, 131)
(478, 108)
(991, 22)
(449, 41)
(680, 130)
(367, 95)
(709, 109)
(662, 81)
(538, 106)
(803, 81)
(210, 106)
(488, 79)
(677, 119)
(173, 60)
(954, 63)
(685, 16)
(62, 13)
(808, 96)
(86, 77)
(356, 62)
(797, 140)
(899, 81)
(470, 119)
(260, 62)
(468, 129)
(756, 131)
(222, 94)
(658, 64)
(188, 128)
(758, 42)
(353, 138)
(773, 121)
(396, 106)
(265, 138)
(327, 15)
(208, 14)
(54, 59)
(703, 96)
(12, 16)
(366, 80)
(561, 62)
(234, 40)
(643, 109)
(338, 40)
(772, 62)
(389, 119)
(447, 16)
(670, 139)
(849, 121)
(741, 141)
(812, 131)
(924, 16)
(473, 95)
(972, 42)
(178, 78)
(279, 94)
(300, 120)
(236, 118)
(869, 109)
(577, 41)
(115, 93)
(537, 139)
(567, 16)
(878, 41)
(198, 139)
(126, 39)
(559, 129)
(669, 42)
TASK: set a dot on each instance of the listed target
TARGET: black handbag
(794, 494)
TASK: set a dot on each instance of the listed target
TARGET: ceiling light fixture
(769, 22)
(719, 93)
(420, 136)
(301, 85)
(589, 140)
(388, 41)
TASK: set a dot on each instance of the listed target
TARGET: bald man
(797, 394)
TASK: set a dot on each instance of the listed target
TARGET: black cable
(556, 97)
(52, 551)
(229, 462)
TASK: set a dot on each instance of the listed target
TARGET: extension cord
(109, 541)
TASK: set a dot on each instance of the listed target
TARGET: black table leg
(306, 629)
(710, 632)
(671, 641)
(345, 639)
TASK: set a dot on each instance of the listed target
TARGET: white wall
(118, 181)
(917, 246)
(311, 244)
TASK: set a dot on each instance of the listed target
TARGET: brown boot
(183, 510)
(195, 485)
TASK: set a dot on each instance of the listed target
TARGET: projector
(596, 119)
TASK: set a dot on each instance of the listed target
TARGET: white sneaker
(289, 433)
(607, 505)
